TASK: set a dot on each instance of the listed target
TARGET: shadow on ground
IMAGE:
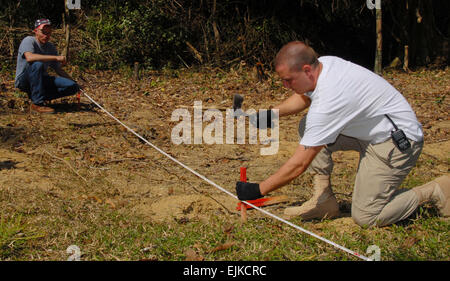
(7, 165)
(73, 107)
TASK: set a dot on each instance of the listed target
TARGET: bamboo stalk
(379, 47)
(66, 27)
(406, 59)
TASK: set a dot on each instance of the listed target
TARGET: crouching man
(35, 55)
(350, 108)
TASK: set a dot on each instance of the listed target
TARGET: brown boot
(41, 109)
(322, 204)
(438, 192)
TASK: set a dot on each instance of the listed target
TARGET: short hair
(296, 54)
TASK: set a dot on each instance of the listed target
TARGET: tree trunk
(205, 42)
(214, 25)
(66, 28)
(378, 55)
(136, 71)
(406, 59)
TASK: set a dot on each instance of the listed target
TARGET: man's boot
(322, 204)
(41, 109)
(438, 192)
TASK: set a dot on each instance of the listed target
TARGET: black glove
(247, 191)
(262, 122)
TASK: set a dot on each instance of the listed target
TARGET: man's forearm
(283, 176)
(30, 57)
(294, 104)
(293, 168)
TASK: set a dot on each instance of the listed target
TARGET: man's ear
(307, 69)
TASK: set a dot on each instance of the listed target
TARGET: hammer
(237, 104)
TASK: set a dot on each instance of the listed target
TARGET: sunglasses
(46, 31)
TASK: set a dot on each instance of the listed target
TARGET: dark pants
(41, 87)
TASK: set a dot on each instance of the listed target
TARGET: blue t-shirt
(30, 44)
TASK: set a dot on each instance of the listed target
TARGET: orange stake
(243, 206)
(78, 100)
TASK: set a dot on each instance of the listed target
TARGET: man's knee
(73, 89)
(364, 219)
(70, 84)
(65, 87)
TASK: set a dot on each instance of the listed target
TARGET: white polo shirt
(352, 100)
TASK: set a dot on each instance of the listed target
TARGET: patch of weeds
(156, 83)
(440, 99)
(20, 94)
(411, 182)
(13, 236)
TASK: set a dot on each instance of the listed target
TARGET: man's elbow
(301, 169)
(300, 162)
(298, 169)
(29, 57)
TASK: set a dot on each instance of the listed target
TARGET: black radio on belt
(399, 137)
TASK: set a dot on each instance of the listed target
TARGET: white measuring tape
(226, 191)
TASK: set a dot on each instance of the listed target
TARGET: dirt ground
(82, 154)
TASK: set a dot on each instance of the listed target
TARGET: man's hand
(263, 120)
(61, 59)
(247, 191)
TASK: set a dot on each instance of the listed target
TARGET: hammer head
(237, 101)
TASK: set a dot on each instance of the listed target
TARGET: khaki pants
(376, 200)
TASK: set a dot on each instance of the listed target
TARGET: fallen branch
(67, 163)
(223, 247)
(196, 53)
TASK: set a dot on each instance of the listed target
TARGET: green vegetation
(107, 34)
